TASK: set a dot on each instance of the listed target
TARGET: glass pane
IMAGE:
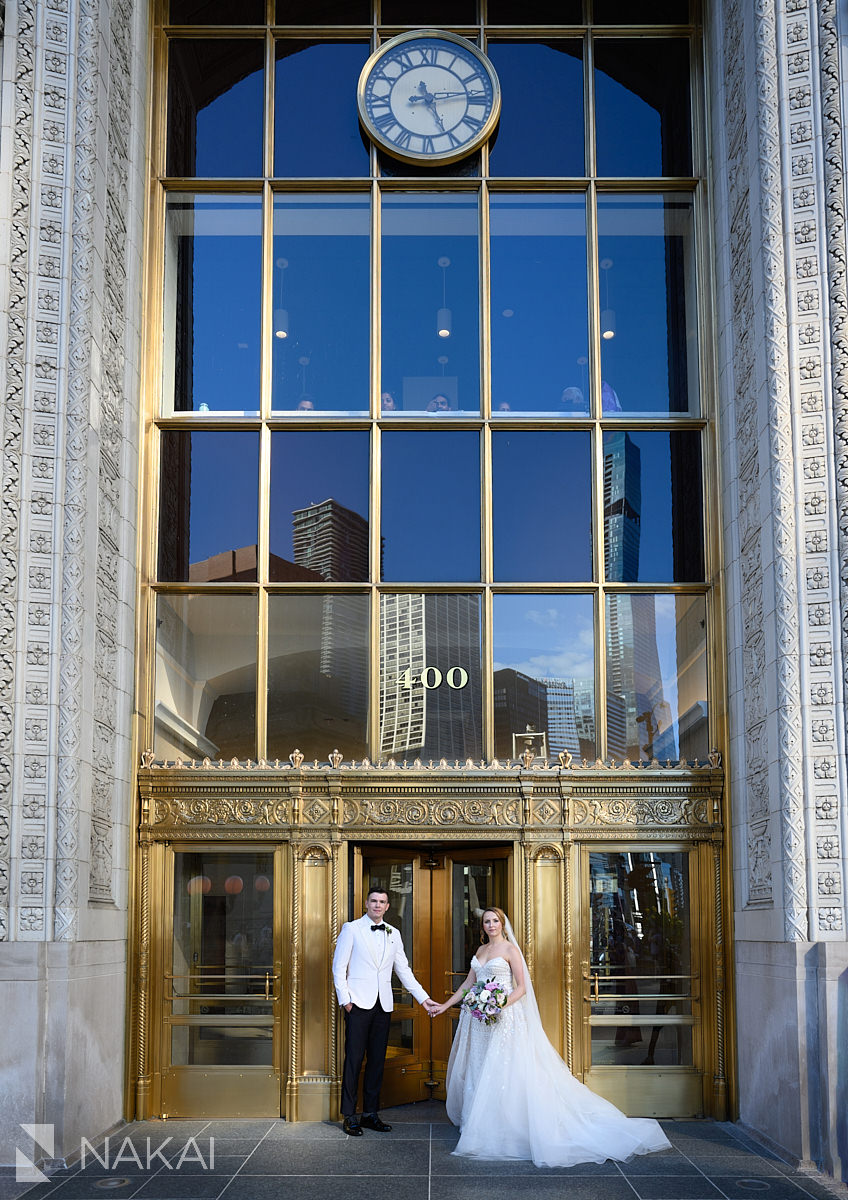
(649, 355)
(640, 956)
(221, 1045)
(316, 539)
(430, 677)
(541, 127)
(318, 675)
(316, 130)
(641, 1045)
(475, 887)
(542, 530)
(656, 677)
(398, 878)
(431, 506)
(212, 304)
(544, 651)
(223, 952)
(401, 1033)
(205, 693)
(624, 12)
(539, 304)
(441, 14)
(653, 507)
(321, 303)
(215, 104)
(536, 12)
(217, 12)
(642, 110)
(430, 302)
(208, 506)
(323, 12)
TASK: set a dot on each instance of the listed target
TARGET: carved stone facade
(780, 263)
(72, 142)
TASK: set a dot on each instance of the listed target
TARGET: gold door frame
(543, 814)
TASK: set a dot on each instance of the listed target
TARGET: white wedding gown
(514, 1097)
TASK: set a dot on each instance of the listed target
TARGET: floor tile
(777, 1188)
(674, 1187)
(664, 1162)
(9, 1190)
(699, 1147)
(736, 1165)
(373, 1155)
(308, 1131)
(84, 1187)
(535, 1187)
(443, 1163)
(247, 1128)
(170, 1186)
(323, 1187)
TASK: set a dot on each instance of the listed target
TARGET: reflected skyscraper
(634, 679)
(424, 635)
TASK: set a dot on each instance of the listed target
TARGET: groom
(367, 952)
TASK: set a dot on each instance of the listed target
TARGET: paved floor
(255, 1160)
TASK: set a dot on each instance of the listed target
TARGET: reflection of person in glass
(439, 403)
(388, 402)
(305, 403)
(510, 1091)
(573, 400)
(367, 951)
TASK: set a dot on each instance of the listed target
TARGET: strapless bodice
(496, 968)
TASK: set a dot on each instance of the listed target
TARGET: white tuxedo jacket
(363, 965)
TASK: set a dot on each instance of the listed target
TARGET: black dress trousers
(366, 1036)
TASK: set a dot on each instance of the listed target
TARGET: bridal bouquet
(485, 1000)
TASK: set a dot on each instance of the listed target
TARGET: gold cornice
(265, 802)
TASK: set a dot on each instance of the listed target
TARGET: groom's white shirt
(363, 965)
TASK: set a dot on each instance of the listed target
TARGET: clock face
(428, 97)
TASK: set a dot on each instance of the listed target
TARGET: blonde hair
(500, 914)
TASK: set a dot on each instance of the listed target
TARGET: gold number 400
(432, 677)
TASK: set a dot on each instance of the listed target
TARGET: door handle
(269, 979)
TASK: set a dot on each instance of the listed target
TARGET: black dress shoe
(352, 1127)
(374, 1122)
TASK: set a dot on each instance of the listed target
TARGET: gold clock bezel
(416, 156)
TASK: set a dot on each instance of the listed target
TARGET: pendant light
(444, 319)
(607, 314)
(281, 316)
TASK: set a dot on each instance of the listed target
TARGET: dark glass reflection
(212, 325)
(323, 12)
(541, 506)
(656, 677)
(316, 130)
(541, 127)
(208, 506)
(649, 357)
(437, 14)
(539, 304)
(642, 107)
(653, 507)
(640, 957)
(217, 12)
(319, 506)
(321, 295)
(430, 677)
(430, 302)
(624, 12)
(318, 675)
(215, 105)
(544, 681)
(535, 12)
(205, 690)
(431, 506)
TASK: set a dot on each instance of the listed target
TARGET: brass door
(220, 1035)
(644, 939)
(436, 897)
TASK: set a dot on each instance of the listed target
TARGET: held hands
(438, 1009)
(431, 1007)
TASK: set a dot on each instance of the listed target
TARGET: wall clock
(428, 97)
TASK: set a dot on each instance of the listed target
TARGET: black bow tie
(373, 927)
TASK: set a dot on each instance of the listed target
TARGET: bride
(510, 1091)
